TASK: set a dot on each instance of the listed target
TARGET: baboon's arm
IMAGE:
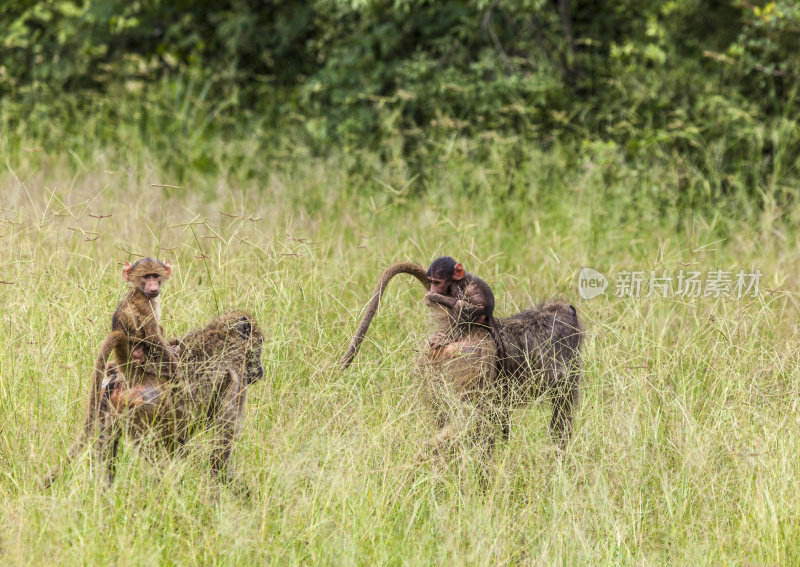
(469, 307)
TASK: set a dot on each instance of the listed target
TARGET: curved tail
(114, 340)
(372, 307)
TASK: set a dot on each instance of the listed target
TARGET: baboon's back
(541, 347)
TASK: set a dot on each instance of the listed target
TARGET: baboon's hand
(439, 340)
(431, 297)
(169, 368)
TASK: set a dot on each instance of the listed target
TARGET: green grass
(686, 444)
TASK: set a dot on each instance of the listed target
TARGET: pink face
(150, 285)
(442, 285)
(439, 286)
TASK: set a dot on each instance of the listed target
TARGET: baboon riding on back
(167, 391)
(477, 367)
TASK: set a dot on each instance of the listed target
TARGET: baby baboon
(483, 369)
(215, 365)
(138, 315)
(467, 298)
(464, 299)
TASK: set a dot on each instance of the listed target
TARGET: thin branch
(488, 29)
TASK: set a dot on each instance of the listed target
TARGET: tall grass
(686, 441)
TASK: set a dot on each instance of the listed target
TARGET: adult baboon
(472, 383)
(215, 364)
(475, 374)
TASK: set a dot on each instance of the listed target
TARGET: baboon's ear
(126, 271)
(458, 272)
(244, 327)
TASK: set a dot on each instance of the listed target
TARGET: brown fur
(540, 358)
(215, 365)
(138, 315)
(459, 377)
(475, 374)
(468, 299)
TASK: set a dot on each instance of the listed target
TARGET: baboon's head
(443, 272)
(148, 275)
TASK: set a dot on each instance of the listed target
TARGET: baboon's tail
(372, 307)
(112, 341)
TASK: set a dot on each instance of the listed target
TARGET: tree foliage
(697, 77)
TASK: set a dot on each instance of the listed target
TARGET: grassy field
(687, 438)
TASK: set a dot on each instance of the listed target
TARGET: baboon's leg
(73, 452)
(102, 446)
(441, 443)
(564, 403)
(229, 417)
(108, 436)
(111, 457)
(55, 472)
(484, 440)
(473, 428)
(471, 440)
(86, 436)
(455, 422)
(501, 417)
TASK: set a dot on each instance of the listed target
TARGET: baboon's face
(148, 275)
(440, 285)
(150, 285)
(252, 355)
